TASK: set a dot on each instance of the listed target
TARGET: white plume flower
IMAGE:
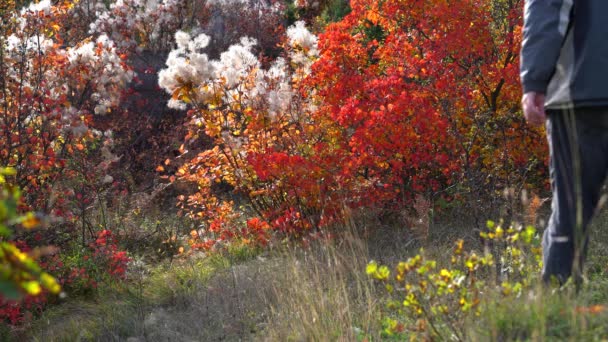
(182, 39)
(300, 36)
(237, 62)
(41, 6)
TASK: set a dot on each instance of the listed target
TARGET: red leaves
(408, 98)
(406, 105)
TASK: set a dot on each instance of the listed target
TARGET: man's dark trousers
(586, 130)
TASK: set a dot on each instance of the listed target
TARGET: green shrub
(428, 299)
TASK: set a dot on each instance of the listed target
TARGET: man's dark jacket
(565, 52)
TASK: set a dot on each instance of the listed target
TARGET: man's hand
(533, 104)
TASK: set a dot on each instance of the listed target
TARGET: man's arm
(545, 25)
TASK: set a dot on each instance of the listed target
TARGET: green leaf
(8, 171)
(4, 231)
(9, 290)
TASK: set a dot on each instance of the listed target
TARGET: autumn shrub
(52, 83)
(254, 117)
(50, 89)
(435, 106)
(428, 299)
(148, 134)
(394, 102)
(81, 272)
(78, 273)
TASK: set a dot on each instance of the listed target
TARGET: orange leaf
(30, 221)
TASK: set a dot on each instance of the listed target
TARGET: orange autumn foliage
(405, 98)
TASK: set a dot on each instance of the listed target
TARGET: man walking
(564, 73)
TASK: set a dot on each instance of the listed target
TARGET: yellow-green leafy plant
(19, 273)
(429, 299)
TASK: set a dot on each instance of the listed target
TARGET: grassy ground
(319, 293)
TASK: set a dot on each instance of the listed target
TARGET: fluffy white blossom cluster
(99, 66)
(188, 66)
(306, 4)
(25, 49)
(237, 63)
(36, 44)
(273, 89)
(133, 23)
(43, 6)
(26, 39)
(303, 45)
(237, 72)
(67, 81)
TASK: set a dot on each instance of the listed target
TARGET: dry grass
(323, 294)
(319, 293)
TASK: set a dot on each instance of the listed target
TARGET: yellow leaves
(435, 295)
(31, 287)
(50, 283)
(445, 275)
(20, 272)
(499, 232)
(471, 262)
(183, 93)
(377, 272)
(70, 4)
(30, 221)
(6, 171)
(459, 247)
(371, 268)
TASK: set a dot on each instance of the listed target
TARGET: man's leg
(577, 144)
